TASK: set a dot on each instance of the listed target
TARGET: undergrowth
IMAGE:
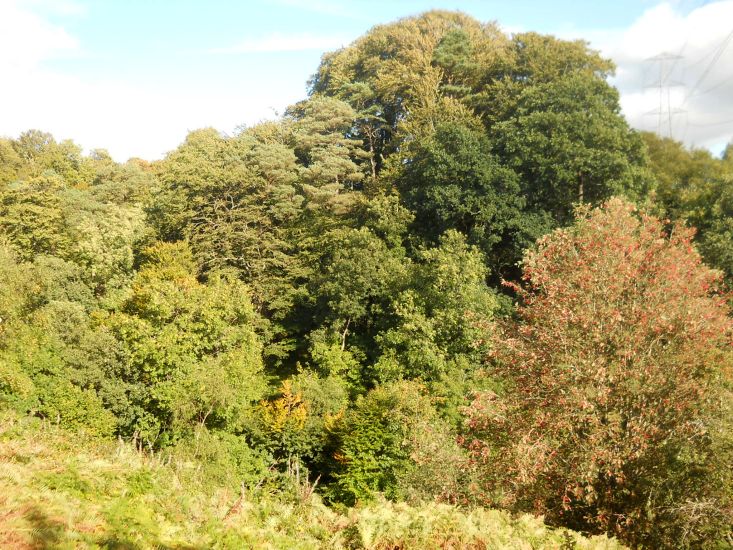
(63, 492)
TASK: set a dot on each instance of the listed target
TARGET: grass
(60, 491)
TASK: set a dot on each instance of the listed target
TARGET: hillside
(61, 491)
(454, 274)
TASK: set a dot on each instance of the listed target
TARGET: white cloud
(697, 88)
(127, 119)
(278, 42)
(26, 39)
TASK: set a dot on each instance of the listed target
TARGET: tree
(32, 218)
(408, 77)
(53, 362)
(234, 200)
(442, 324)
(681, 175)
(454, 181)
(544, 58)
(194, 358)
(10, 162)
(617, 382)
(694, 187)
(391, 74)
(41, 153)
(122, 184)
(295, 423)
(569, 144)
(428, 86)
(326, 152)
(104, 239)
(356, 276)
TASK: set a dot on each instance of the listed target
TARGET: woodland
(450, 300)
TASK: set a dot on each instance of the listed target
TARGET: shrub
(385, 444)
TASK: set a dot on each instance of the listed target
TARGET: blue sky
(134, 76)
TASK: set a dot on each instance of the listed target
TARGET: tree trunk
(580, 188)
(343, 335)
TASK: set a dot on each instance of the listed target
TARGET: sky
(135, 76)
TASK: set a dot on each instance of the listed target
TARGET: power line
(716, 86)
(719, 123)
(706, 72)
(694, 90)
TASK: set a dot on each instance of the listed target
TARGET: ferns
(95, 494)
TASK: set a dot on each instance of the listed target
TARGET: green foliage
(13, 381)
(682, 175)
(74, 408)
(311, 303)
(105, 238)
(326, 399)
(493, 136)
(694, 187)
(50, 209)
(546, 104)
(53, 361)
(193, 353)
(455, 182)
(387, 218)
(381, 445)
(233, 204)
(569, 144)
(335, 361)
(41, 155)
(127, 184)
(320, 129)
(32, 220)
(389, 76)
(223, 459)
(442, 325)
(358, 273)
(543, 58)
(10, 162)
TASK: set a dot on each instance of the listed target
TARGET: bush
(223, 459)
(74, 408)
(385, 445)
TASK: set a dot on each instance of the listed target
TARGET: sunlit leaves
(616, 372)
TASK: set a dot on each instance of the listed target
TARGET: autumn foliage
(615, 375)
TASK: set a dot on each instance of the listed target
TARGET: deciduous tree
(617, 386)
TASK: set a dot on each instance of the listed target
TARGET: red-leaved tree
(615, 414)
